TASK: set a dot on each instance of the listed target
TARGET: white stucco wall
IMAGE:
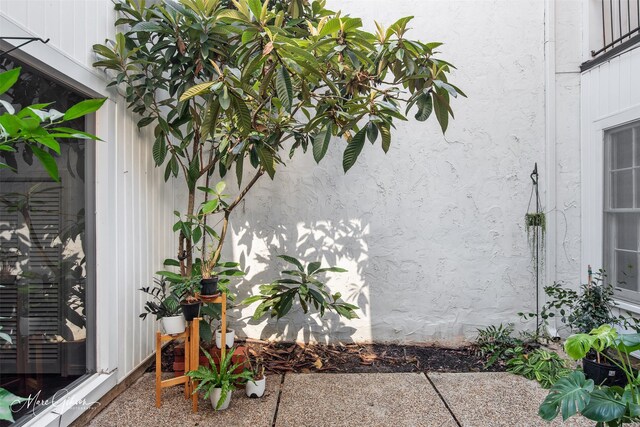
(433, 232)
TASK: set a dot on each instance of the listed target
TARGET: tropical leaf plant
(301, 284)
(38, 128)
(574, 394)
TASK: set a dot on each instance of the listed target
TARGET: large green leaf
(569, 395)
(256, 7)
(266, 159)
(604, 406)
(8, 79)
(145, 26)
(196, 90)
(47, 161)
(442, 114)
(159, 150)
(628, 343)
(386, 136)
(330, 27)
(8, 399)
(577, 346)
(321, 143)
(293, 261)
(353, 150)
(372, 132)
(425, 106)
(83, 108)
(284, 88)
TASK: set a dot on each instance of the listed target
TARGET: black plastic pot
(603, 373)
(209, 286)
(190, 310)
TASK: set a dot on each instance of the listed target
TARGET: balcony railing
(620, 23)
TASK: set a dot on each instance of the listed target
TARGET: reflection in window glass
(43, 264)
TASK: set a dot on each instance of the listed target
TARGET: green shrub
(493, 342)
(541, 365)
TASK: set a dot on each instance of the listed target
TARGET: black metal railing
(620, 23)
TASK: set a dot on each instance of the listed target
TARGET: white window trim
(592, 189)
(77, 75)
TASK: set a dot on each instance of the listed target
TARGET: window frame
(90, 190)
(608, 226)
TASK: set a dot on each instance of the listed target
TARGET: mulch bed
(292, 357)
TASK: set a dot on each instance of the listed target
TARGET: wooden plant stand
(191, 337)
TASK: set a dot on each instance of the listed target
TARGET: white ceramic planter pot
(173, 325)
(215, 397)
(256, 388)
(230, 337)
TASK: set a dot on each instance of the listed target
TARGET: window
(43, 254)
(622, 209)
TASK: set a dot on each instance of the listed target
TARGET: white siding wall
(134, 205)
(610, 97)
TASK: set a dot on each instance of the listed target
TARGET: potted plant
(209, 281)
(186, 289)
(598, 363)
(208, 285)
(576, 394)
(230, 338)
(591, 309)
(165, 306)
(256, 385)
(584, 311)
(218, 382)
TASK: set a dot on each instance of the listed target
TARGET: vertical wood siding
(133, 201)
(610, 96)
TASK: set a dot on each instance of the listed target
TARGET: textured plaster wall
(432, 233)
(568, 59)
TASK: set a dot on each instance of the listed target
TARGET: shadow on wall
(331, 242)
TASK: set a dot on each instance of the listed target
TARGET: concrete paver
(136, 407)
(496, 399)
(353, 400)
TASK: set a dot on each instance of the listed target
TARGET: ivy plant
(37, 127)
(233, 86)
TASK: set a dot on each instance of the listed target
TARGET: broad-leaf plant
(38, 128)
(575, 394)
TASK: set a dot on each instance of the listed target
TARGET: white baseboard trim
(67, 408)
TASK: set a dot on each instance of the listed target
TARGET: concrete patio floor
(347, 400)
